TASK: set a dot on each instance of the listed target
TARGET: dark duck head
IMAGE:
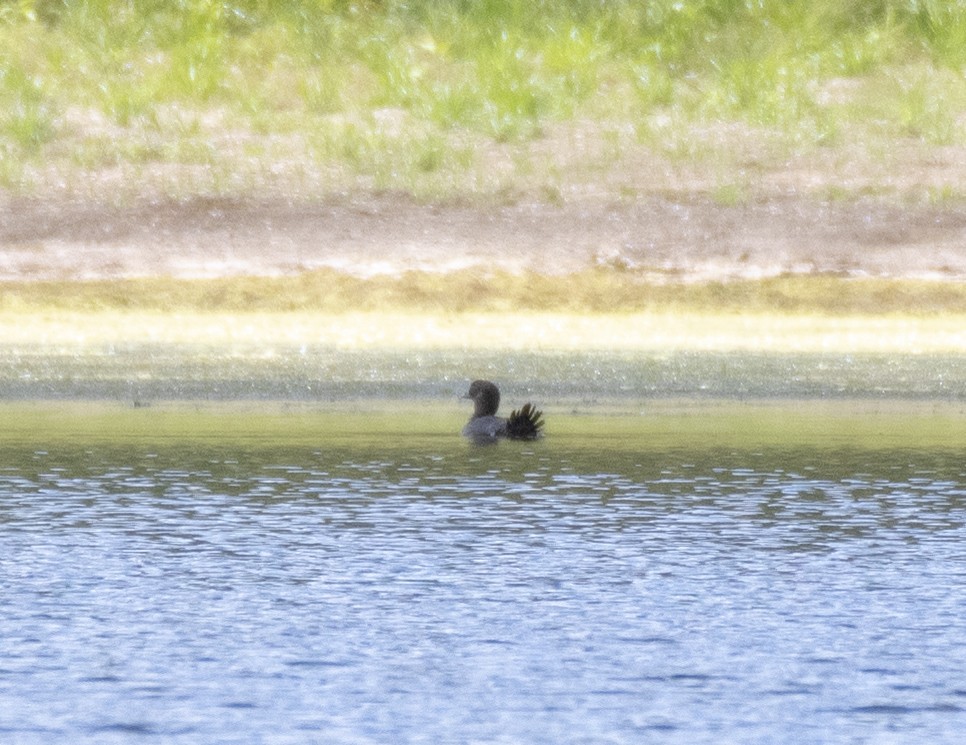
(485, 425)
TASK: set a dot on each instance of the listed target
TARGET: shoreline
(576, 361)
(91, 332)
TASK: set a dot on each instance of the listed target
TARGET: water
(748, 573)
(149, 372)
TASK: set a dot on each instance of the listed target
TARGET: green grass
(425, 96)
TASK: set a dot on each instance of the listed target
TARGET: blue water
(421, 590)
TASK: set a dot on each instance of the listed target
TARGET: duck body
(486, 426)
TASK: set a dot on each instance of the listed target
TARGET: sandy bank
(674, 237)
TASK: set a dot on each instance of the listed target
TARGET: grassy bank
(262, 335)
(594, 310)
(483, 99)
(589, 292)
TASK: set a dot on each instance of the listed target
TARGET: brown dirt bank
(666, 237)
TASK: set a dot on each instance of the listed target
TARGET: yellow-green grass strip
(594, 290)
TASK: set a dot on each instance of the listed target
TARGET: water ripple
(557, 594)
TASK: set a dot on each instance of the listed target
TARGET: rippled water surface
(624, 580)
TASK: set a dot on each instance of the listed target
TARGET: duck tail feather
(525, 424)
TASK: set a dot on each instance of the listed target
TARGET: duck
(485, 426)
